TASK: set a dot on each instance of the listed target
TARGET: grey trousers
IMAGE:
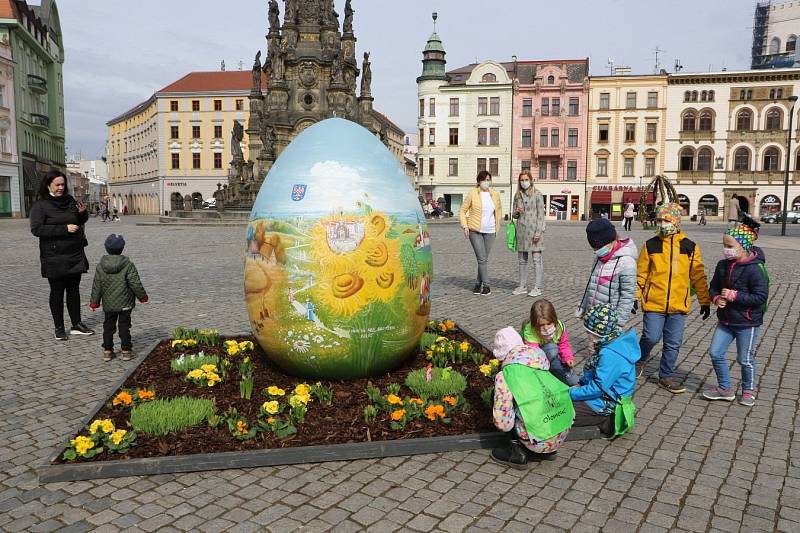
(536, 259)
(482, 245)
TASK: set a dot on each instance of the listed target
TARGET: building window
(4, 141)
(572, 170)
(774, 119)
(173, 105)
(453, 136)
(218, 132)
(217, 105)
(771, 159)
(652, 99)
(774, 45)
(602, 132)
(602, 166)
(543, 137)
(527, 107)
(195, 160)
(687, 159)
(452, 168)
(494, 166)
(551, 80)
(791, 43)
(650, 132)
(195, 132)
(2, 96)
(481, 164)
(494, 105)
(572, 137)
(542, 170)
(195, 105)
(431, 167)
(694, 96)
(526, 164)
(688, 122)
(421, 136)
(545, 106)
(649, 166)
(174, 133)
(744, 120)
(704, 157)
(494, 136)
(627, 167)
(432, 107)
(630, 100)
(556, 107)
(217, 159)
(431, 136)
(239, 104)
(630, 132)
(604, 100)
(420, 166)
(574, 107)
(710, 96)
(554, 137)
(176, 161)
(481, 136)
(483, 103)
(421, 107)
(526, 138)
(554, 166)
(741, 159)
(706, 121)
(488, 78)
(703, 96)
(454, 107)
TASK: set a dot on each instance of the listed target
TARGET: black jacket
(61, 252)
(749, 280)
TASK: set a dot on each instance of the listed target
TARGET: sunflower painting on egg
(338, 264)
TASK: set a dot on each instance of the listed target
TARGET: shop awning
(635, 196)
(601, 197)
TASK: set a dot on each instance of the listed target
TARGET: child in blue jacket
(609, 374)
(739, 289)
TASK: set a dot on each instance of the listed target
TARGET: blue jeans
(670, 326)
(482, 245)
(557, 368)
(746, 339)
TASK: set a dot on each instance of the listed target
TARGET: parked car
(792, 217)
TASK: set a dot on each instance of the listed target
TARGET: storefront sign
(176, 184)
(566, 191)
(628, 188)
(770, 199)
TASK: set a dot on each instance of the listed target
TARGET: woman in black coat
(58, 220)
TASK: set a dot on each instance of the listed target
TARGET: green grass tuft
(444, 382)
(161, 417)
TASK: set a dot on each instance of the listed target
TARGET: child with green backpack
(739, 289)
(530, 403)
(603, 398)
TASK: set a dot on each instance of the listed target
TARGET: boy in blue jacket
(739, 289)
(609, 374)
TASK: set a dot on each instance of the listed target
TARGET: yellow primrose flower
(495, 363)
(241, 427)
(117, 436)
(107, 426)
(428, 354)
(82, 444)
(270, 407)
(302, 390)
(208, 368)
(441, 339)
(394, 399)
(271, 420)
(296, 400)
(176, 342)
(246, 345)
(195, 374)
(464, 346)
(485, 370)
(272, 390)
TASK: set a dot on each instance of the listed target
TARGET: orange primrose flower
(398, 414)
(122, 398)
(145, 395)
(393, 399)
(451, 400)
(450, 324)
(432, 411)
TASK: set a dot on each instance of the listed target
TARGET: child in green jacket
(117, 285)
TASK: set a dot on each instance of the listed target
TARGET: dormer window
(551, 80)
(488, 78)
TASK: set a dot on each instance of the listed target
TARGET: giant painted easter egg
(338, 263)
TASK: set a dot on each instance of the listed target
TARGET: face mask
(667, 228)
(485, 185)
(730, 253)
(604, 251)
(548, 331)
(525, 185)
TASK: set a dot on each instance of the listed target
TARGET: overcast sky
(119, 52)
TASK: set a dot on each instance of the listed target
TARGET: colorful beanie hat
(602, 320)
(744, 235)
(669, 212)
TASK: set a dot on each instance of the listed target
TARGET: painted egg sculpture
(338, 261)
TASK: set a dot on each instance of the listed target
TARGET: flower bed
(232, 399)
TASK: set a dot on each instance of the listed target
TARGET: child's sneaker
(519, 290)
(513, 455)
(536, 291)
(127, 355)
(718, 393)
(748, 398)
(108, 355)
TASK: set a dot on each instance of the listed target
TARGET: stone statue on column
(276, 56)
(290, 12)
(237, 134)
(326, 12)
(267, 138)
(257, 72)
(347, 27)
(366, 76)
(336, 68)
(274, 16)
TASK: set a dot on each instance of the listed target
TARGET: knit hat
(670, 213)
(745, 233)
(504, 341)
(602, 320)
(600, 232)
(114, 244)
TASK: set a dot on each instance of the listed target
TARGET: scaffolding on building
(760, 25)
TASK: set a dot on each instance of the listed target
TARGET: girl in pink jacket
(546, 331)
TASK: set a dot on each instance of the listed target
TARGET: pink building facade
(551, 110)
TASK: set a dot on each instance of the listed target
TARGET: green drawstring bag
(624, 415)
(511, 236)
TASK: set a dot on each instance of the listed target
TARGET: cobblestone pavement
(688, 464)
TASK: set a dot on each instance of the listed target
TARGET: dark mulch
(341, 422)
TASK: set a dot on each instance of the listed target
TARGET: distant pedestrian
(104, 212)
(125, 209)
(480, 216)
(117, 286)
(702, 218)
(58, 220)
(628, 215)
(529, 214)
(734, 211)
(114, 214)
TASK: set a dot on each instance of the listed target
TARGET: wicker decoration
(663, 193)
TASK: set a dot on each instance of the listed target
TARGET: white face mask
(547, 331)
(484, 185)
(525, 185)
(730, 253)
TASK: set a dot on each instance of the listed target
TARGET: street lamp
(792, 99)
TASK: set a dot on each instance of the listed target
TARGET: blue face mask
(604, 251)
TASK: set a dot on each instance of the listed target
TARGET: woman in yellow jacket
(480, 217)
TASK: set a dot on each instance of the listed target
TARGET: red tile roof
(234, 80)
(385, 120)
(7, 9)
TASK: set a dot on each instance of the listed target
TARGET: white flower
(289, 333)
(305, 337)
(300, 345)
(318, 338)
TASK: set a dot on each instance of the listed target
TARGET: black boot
(539, 457)
(512, 455)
